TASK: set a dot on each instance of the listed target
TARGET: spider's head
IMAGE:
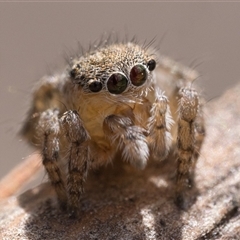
(115, 70)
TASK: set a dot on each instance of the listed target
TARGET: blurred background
(35, 37)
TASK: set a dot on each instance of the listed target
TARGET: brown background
(34, 38)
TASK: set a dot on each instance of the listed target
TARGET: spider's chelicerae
(118, 97)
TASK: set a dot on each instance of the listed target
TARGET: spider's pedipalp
(131, 139)
(159, 138)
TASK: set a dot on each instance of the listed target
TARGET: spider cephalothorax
(115, 69)
(110, 100)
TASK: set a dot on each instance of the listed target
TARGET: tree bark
(124, 203)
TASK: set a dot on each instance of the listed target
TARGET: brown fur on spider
(115, 98)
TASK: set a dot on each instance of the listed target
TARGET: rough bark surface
(123, 203)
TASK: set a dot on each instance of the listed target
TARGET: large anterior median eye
(117, 83)
(138, 75)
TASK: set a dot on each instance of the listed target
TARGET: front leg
(78, 158)
(121, 131)
(186, 141)
(49, 129)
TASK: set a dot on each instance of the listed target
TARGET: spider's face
(114, 70)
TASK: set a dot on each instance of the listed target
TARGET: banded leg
(186, 141)
(131, 139)
(49, 127)
(159, 125)
(199, 131)
(78, 158)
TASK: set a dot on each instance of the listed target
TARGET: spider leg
(49, 128)
(129, 138)
(78, 158)
(186, 141)
(199, 137)
(159, 125)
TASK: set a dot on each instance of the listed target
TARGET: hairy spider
(118, 97)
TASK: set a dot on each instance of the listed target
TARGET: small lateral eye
(95, 86)
(117, 83)
(73, 73)
(138, 75)
(151, 64)
(74, 70)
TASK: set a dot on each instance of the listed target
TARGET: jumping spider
(113, 99)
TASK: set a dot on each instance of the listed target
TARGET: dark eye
(151, 64)
(73, 73)
(117, 83)
(138, 75)
(95, 86)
